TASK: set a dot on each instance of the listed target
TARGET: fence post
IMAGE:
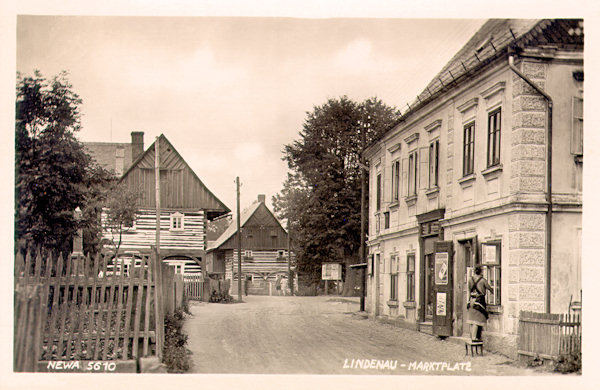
(158, 303)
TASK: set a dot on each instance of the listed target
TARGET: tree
(322, 197)
(53, 171)
(120, 207)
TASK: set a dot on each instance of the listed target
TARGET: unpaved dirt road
(319, 335)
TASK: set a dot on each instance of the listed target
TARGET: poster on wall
(441, 268)
(440, 304)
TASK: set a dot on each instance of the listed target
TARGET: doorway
(467, 259)
(429, 285)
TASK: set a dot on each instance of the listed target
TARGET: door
(443, 288)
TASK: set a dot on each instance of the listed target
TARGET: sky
(230, 92)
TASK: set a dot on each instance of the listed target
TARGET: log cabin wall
(191, 240)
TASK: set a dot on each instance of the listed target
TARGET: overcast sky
(229, 92)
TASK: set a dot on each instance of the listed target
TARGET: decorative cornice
(433, 125)
(468, 104)
(493, 90)
(411, 138)
(395, 147)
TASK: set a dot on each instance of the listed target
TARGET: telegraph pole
(239, 241)
(363, 216)
(290, 276)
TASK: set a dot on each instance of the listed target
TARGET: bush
(567, 363)
(175, 354)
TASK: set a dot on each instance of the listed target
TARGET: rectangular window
(378, 190)
(394, 278)
(386, 217)
(177, 222)
(468, 149)
(395, 180)
(412, 173)
(491, 260)
(410, 277)
(434, 163)
(577, 127)
(494, 127)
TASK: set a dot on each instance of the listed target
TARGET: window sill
(392, 303)
(410, 304)
(466, 180)
(492, 172)
(411, 200)
(495, 309)
(432, 191)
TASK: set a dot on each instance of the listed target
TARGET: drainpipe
(548, 180)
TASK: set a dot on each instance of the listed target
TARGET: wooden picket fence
(73, 309)
(549, 335)
(193, 286)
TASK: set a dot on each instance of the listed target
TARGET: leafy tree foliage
(53, 174)
(120, 206)
(322, 195)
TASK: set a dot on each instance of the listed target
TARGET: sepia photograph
(326, 196)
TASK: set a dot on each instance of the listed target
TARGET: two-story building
(485, 168)
(264, 251)
(186, 204)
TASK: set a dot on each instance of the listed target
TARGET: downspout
(548, 180)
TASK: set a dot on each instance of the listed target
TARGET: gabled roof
(245, 216)
(219, 207)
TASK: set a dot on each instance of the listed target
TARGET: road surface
(320, 335)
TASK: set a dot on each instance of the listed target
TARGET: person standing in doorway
(284, 285)
(278, 284)
(477, 314)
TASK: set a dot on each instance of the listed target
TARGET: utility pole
(290, 276)
(363, 212)
(239, 241)
(157, 192)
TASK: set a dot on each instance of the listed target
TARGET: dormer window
(177, 222)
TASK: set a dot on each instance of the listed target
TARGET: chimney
(137, 144)
(261, 198)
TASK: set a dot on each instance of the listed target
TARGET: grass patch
(175, 354)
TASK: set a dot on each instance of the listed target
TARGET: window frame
(395, 180)
(469, 148)
(178, 219)
(576, 126)
(386, 220)
(494, 137)
(492, 272)
(434, 163)
(394, 278)
(378, 192)
(410, 277)
(412, 177)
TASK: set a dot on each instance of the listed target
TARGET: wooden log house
(186, 203)
(264, 251)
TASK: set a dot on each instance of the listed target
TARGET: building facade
(464, 178)
(186, 204)
(264, 251)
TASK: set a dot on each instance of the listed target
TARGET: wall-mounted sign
(440, 304)
(331, 271)
(441, 268)
(488, 254)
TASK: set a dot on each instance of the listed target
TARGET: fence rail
(549, 335)
(73, 309)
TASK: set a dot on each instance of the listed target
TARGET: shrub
(175, 354)
(567, 363)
